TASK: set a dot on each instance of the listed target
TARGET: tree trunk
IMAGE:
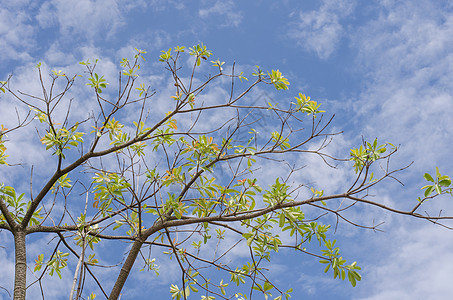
(124, 273)
(20, 280)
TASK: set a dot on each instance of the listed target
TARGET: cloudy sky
(385, 68)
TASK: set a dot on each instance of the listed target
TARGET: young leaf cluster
(441, 184)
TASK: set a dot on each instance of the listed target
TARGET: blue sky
(385, 68)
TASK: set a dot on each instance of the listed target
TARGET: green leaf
(352, 279)
(438, 190)
(428, 177)
(278, 80)
(445, 182)
(282, 220)
(193, 288)
(429, 190)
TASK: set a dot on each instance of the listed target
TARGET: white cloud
(225, 12)
(87, 18)
(149, 40)
(16, 33)
(23, 145)
(320, 31)
(55, 56)
(405, 55)
(133, 4)
(159, 5)
(7, 263)
(417, 268)
(310, 283)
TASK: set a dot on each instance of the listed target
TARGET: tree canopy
(193, 178)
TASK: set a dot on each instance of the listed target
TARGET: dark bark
(125, 270)
(20, 279)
